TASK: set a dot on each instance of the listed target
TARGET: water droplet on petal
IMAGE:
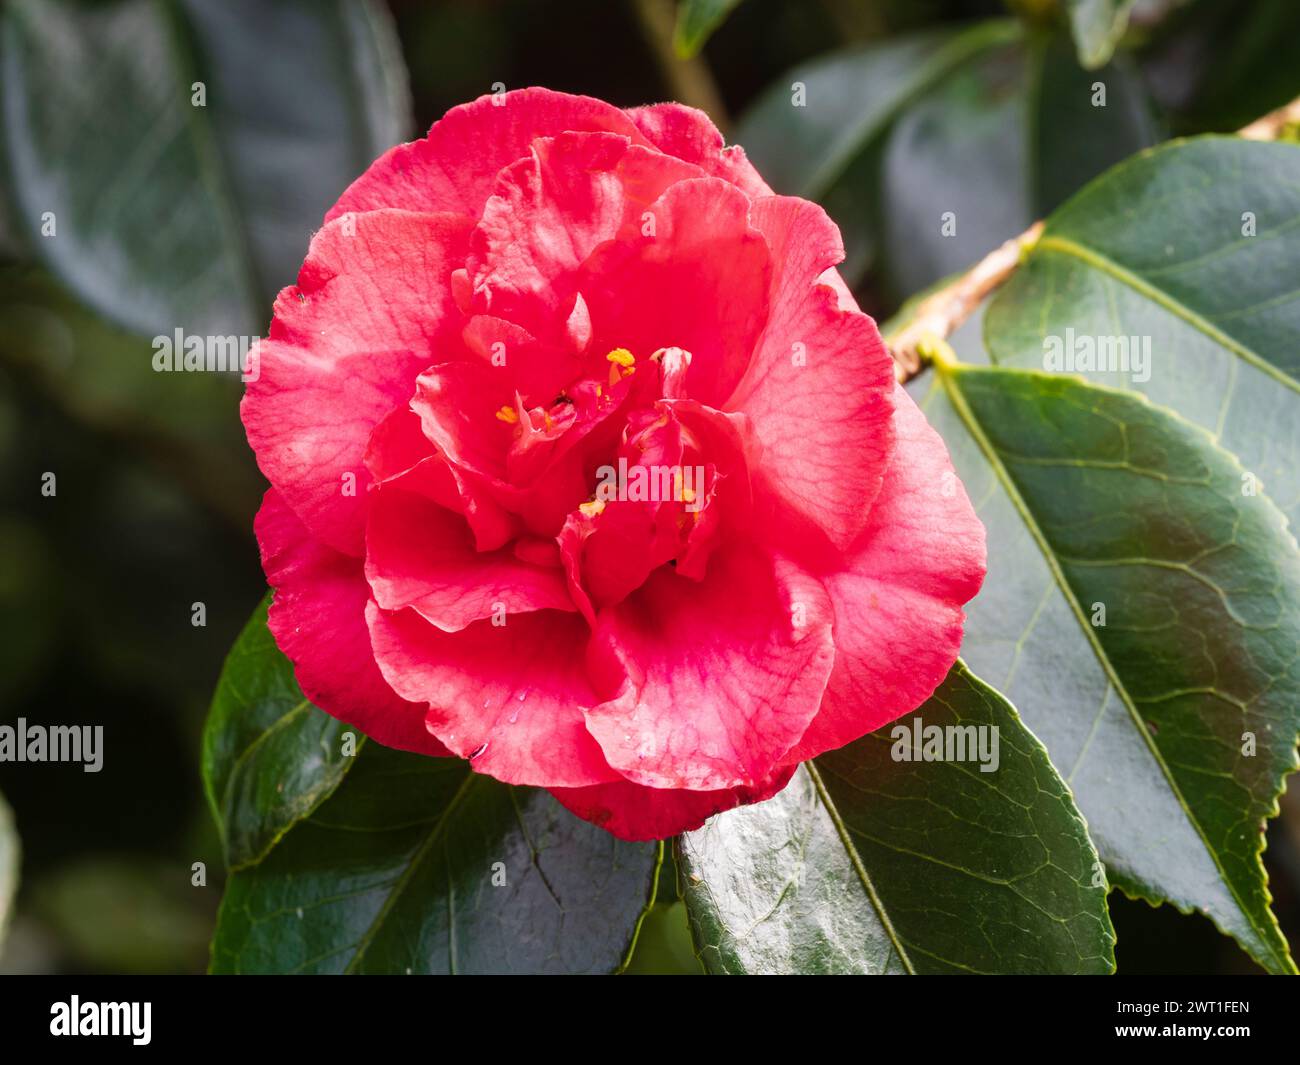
(478, 752)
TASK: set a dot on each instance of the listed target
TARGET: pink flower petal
(421, 556)
(457, 403)
(898, 599)
(819, 390)
(401, 455)
(455, 167)
(345, 347)
(508, 697)
(550, 210)
(699, 281)
(378, 282)
(633, 812)
(709, 683)
(318, 620)
(689, 134)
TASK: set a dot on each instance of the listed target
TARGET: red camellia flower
(586, 467)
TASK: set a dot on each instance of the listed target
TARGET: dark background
(157, 490)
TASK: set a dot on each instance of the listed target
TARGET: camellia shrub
(546, 285)
(616, 557)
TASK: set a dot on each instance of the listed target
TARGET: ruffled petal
(401, 455)
(633, 812)
(550, 210)
(346, 345)
(457, 404)
(709, 683)
(898, 598)
(318, 620)
(819, 390)
(422, 556)
(508, 697)
(455, 167)
(378, 282)
(701, 278)
(690, 134)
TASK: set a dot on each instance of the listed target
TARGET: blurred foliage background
(170, 213)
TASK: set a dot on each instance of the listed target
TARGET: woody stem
(939, 315)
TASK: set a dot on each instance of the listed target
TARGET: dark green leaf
(1144, 612)
(867, 864)
(269, 756)
(696, 21)
(419, 865)
(818, 132)
(169, 214)
(1025, 120)
(892, 137)
(1155, 252)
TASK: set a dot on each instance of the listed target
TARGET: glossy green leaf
(1024, 120)
(10, 860)
(269, 756)
(868, 864)
(1157, 253)
(176, 180)
(901, 141)
(1142, 608)
(419, 865)
(696, 21)
(396, 862)
(1098, 26)
(818, 132)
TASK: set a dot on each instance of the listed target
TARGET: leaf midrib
(841, 829)
(417, 858)
(1163, 299)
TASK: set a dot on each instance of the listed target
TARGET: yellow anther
(688, 495)
(621, 364)
(508, 414)
(593, 508)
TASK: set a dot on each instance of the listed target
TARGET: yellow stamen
(622, 363)
(508, 414)
(684, 494)
(593, 508)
